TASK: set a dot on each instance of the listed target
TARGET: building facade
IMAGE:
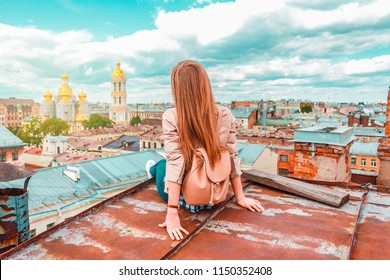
(152, 139)
(54, 145)
(11, 148)
(245, 117)
(119, 111)
(13, 111)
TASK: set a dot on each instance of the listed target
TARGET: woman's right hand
(172, 225)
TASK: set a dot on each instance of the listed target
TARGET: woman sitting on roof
(192, 124)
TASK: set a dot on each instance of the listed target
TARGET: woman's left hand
(250, 204)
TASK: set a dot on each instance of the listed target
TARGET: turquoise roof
(53, 139)
(8, 139)
(340, 136)
(277, 122)
(369, 131)
(49, 189)
(249, 153)
(364, 148)
(242, 112)
(379, 118)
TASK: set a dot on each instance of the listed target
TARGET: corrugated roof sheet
(249, 153)
(291, 227)
(8, 139)
(49, 189)
(364, 148)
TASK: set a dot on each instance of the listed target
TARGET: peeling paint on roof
(290, 228)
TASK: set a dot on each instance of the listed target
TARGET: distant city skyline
(323, 50)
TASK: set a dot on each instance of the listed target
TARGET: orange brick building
(322, 153)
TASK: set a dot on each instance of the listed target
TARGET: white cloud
(213, 22)
(365, 66)
(247, 46)
(347, 14)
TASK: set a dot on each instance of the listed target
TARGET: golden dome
(118, 72)
(47, 95)
(82, 96)
(64, 77)
(65, 92)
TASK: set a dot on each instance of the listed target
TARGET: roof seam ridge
(202, 225)
(353, 239)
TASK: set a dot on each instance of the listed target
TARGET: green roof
(249, 153)
(364, 148)
(8, 139)
(49, 189)
(242, 112)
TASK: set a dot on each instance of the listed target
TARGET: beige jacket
(175, 160)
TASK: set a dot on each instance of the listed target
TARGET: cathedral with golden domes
(119, 112)
(65, 105)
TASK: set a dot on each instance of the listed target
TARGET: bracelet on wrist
(173, 206)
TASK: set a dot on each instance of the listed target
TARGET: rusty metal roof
(291, 227)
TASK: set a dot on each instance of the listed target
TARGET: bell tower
(119, 111)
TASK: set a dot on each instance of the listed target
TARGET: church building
(65, 105)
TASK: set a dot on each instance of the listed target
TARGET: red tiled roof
(33, 151)
(291, 227)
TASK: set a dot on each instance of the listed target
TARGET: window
(33, 232)
(120, 100)
(143, 144)
(284, 172)
(353, 160)
(49, 226)
(58, 150)
(2, 156)
(283, 158)
(363, 162)
(162, 145)
(119, 86)
(155, 145)
(15, 155)
(148, 145)
(373, 163)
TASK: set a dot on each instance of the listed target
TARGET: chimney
(14, 223)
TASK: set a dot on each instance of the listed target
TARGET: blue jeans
(158, 170)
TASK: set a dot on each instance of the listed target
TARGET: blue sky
(325, 50)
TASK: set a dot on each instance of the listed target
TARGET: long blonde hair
(196, 111)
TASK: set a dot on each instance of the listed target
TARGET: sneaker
(148, 165)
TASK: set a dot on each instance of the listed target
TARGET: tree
(135, 120)
(97, 121)
(306, 109)
(31, 133)
(55, 126)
